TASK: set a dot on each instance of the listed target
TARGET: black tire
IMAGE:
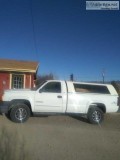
(19, 113)
(95, 115)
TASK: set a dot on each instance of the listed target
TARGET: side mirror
(40, 91)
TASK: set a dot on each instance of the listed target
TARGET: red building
(16, 74)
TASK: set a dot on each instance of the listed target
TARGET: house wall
(28, 79)
(6, 81)
(32, 80)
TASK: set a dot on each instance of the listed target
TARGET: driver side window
(52, 87)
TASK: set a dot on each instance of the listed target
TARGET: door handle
(59, 96)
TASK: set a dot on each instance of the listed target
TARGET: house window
(17, 81)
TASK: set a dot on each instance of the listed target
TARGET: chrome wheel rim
(20, 114)
(96, 116)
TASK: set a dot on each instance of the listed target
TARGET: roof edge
(20, 70)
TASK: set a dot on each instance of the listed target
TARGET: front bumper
(4, 106)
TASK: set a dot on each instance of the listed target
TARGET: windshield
(37, 86)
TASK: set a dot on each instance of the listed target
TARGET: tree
(42, 78)
(116, 84)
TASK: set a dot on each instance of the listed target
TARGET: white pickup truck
(61, 97)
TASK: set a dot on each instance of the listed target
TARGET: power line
(33, 30)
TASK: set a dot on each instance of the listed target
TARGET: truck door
(49, 98)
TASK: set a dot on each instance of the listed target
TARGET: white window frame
(23, 81)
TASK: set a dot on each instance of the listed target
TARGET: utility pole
(103, 76)
(71, 77)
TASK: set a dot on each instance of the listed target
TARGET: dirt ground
(69, 138)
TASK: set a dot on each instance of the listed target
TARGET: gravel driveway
(68, 138)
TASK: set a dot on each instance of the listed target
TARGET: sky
(62, 36)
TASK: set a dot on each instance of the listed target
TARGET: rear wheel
(20, 113)
(95, 115)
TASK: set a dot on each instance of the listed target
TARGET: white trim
(30, 81)
(20, 70)
(24, 80)
(10, 81)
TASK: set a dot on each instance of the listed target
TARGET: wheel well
(16, 101)
(99, 105)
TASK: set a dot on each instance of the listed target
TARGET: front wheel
(95, 115)
(19, 113)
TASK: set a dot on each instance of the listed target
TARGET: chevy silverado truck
(61, 97)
